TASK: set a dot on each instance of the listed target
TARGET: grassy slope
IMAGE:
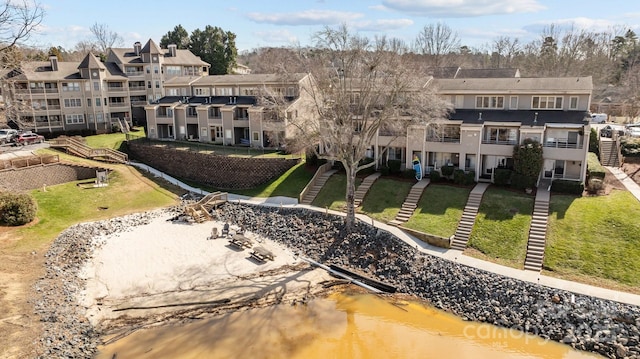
(385, 198)
(439, 210)
(595, 237)
(502, 226)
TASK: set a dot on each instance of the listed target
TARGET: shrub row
(566, 186)
(594, 168)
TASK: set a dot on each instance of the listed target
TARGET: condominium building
(226, 109)
(93, 96)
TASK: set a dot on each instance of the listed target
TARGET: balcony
(138, 103)
(116, 89)
(443, 139)
(118, 104)
(562, 143)
(497, 141)
(134, 73)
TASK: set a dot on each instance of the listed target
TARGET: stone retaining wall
(220, 172)
(28, 178)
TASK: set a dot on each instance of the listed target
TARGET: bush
(394, 166)
(17, 209)
(594, 144)
(501, 176)
(566, 186)
(458, 176)
(434, 176)
(520, 181)
(385, 170)
(594, 185)
(409, 173)
(594, 168)
(630, 147)
(469, 178)
(447, 171)
(462, 178)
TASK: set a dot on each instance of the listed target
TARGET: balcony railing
(561, 143)
(443, 139)
(138, 103)
(494, 141)
(134, 73)
(137, 88)
(164, 115)
(118, 104)
(116, 89)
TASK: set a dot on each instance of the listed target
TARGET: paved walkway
(452, 255)
(630, 184)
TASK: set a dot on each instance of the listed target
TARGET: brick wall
(220, 172)
(27, 178)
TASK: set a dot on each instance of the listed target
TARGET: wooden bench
(262, 254)
(241, 241)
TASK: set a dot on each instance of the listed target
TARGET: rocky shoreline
(605, 327)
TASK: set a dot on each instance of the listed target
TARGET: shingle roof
(443, 72)
(525, 117)
(487, 73)
(547, 85)
(183, 57)
(249, 79)
(212, 100)
(151, 48)
(181, 80)
(91, 62)
(41, 71)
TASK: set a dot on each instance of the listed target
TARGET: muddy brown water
(340, 326)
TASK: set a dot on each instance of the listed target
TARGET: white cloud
(277, 36)
(382, 25)
(462, 8)
(67, 36)
(308, 17)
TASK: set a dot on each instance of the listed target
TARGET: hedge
(566, 186)
(594, 168)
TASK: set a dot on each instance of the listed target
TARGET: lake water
(340, 326)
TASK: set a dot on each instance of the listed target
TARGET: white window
(573, 103)
(155, 69)
(256, 136)
(157, 84)
(96, 85)
(173, 70)
(99, 118)
(225, 91)
(72, 102)
(70, 86)
(98, 104)
(290, 92)
(73, 119)
(459, 101)
(513, 103)
(489, 101)
(204, 132)
(546, 102)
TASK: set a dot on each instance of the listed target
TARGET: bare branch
(18, 20)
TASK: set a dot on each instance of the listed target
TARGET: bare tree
(437, 41)
(360, 92)
(105, 38)
(18, 20)
(506, 49)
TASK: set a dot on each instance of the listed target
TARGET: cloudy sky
(286, 22)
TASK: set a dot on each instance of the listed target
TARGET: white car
(599, 117)
(634, 132)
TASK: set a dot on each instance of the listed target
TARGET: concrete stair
(537, 232)
(410, 203)
(609, 153)
(465, 225)
(364, 188)
(313, 192)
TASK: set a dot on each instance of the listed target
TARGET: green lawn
(112, 140)
(385, 198)
(595, 237)
(290, 184)
(66, 204)
(333, 194)
(439, 210)
(501, 229)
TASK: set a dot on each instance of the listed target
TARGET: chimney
(137, 46)
(172, 50)
(54, 62)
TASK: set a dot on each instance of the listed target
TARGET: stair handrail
(89, 152)
(319, 172)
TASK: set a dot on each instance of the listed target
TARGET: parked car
(7, 135)
(28, 138)
(599, 117)
(609, 130)
(634, 132)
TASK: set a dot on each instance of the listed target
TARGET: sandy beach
(171, 270)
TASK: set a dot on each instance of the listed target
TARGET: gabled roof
(183, 57)
(251, 79)
(443, 72)
(545, 85)
(91, 62)
(487, 73)
(525, 117)
(151, 48)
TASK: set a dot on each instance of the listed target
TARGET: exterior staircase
(538, 230)
(461, 237)
(318, 183)
(410, 203)
(364, 188)
(201, 210)
(610, 152)
(77, 147)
